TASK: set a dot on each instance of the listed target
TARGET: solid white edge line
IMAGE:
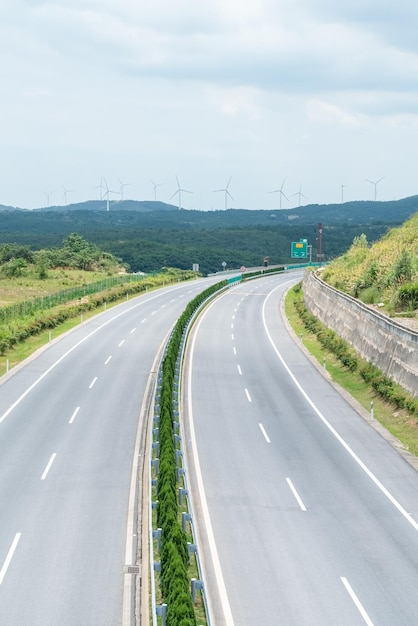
(205, 510)
(356, 601)
(48, 467)
(93, 382)
(247, 393)
(295, 493)
(9, 557)
(73, 416)
(339, 438)
(70, 350)
(266, 437)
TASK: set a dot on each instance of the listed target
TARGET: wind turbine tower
(48, 195)
(155, 186)
(226, 192)
(179, 191)
(64, 195)
(299, 193)
(375, 183)
(122, 185)
(107, 194)
(281, 192)
(342, 193)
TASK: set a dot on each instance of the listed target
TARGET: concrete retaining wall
(393, 348)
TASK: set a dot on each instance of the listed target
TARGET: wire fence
(41, 303)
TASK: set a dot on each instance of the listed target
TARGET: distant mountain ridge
(359, 211)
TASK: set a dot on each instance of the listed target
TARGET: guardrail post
(161, 611)
(196, 585)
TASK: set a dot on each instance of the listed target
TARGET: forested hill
(362, 212)
(149, 239)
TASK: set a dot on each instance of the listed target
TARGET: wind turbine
(122, 185)
(281, 192)
(107, 193)
(375, 183)
(48, 196)
(178, 191)
(299, 193)
(155, 185)
(64, 195)
(101, 187)
(342, 193)
(226, 192)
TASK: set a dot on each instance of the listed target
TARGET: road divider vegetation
(174, 577)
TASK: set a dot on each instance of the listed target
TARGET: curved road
(305, 514)
(68, 425)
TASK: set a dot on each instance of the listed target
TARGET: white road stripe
(133, 330)
(234, 349)
(232, 336)
(266, 437)
(144, 320)
(247, 393)
(73, 416)
(295, 493)
(232, 325)
(239, 370)
(219, 579)
(356, 601)
(9, 557)
(48, 467)
(121, 343)
(92, 382)
(338, 437)
(107, 360)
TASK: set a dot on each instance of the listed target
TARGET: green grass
(398, 422)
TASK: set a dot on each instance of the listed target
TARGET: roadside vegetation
(53, 290)
(384, 274)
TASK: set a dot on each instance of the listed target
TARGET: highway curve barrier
(177, 606)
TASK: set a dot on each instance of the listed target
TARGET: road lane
(335, 549)
(69, 420)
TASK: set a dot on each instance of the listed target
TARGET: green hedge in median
(174, 580)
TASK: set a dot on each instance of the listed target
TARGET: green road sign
(299, 249)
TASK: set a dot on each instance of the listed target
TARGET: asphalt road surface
(306, 515)
(68, 425)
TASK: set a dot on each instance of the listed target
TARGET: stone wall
(393, 348)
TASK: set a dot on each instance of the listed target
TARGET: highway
(305, 515)
(69, 419)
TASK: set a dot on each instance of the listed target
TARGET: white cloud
(257, 90)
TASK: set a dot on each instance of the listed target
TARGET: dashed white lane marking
(234, 350)
(265, 435)
(295, 493)
(247, 393)
(332, 430)
(108, 359)
(239, 370)
(132, 331)
(93, 382)
(48, 467)
(356, 601)
(121, 343)
(73, 416)
(9, 557)
(144, 320)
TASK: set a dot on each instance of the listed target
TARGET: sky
(313, 97)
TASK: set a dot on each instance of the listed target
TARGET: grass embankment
(401, 422)
(22, 335)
